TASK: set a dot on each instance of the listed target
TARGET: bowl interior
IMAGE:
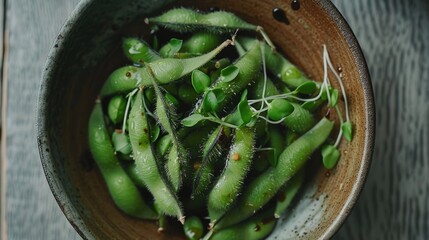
(88, 49)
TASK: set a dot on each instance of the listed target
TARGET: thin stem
(325, 74)
(219, 121)
(259, 111)
(148, 112)
(266, 38)
(263, 149)
(338, 140)
(129, 96)
(264, 67)
(343, 91)
(272, 122)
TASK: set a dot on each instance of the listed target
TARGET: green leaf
(334, 98)
(210, 102)
(347, 130)
(330, 156)
(171, 48)
(243, 114)
(308, 87)
(324, 95)
(154, 133)
(170, 99)
(279, 108)
(212, 99)
(192, 120)
(200, 81)
(155, 43)
(121, 143)
(229, 73)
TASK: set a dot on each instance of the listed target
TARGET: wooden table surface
(394, 35)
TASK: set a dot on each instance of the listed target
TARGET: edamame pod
(255, 228)
(146, 163)
(300, 120)
(201, 43)
(165, 71)
(165, 116)
(277, 64)
(138, 51)
(239, 160)
(286, 195)
(187, 20)
(265, 186)
(193, 228)
(212, 151)
(249, 70)
(121, 188)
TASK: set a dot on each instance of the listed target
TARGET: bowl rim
(64, 201)
(359, 58)
(57, 189)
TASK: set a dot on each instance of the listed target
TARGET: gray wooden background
(394, 35)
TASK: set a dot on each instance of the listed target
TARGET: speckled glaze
(81, 59)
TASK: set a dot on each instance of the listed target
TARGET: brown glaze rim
(56, 185)
(362, 67)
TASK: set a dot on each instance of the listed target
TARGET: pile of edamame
(211, 126)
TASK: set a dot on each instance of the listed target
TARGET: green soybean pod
(177, 19)
(300, 120)
(212, 152)
(287, 194)
(122, 80)
(255, 228)
(229, 184)
(165, 114)
(186, 20)
(187, 94)
(131, 170)
(116, 109)
(249, 69)
(277, 143)
(138, 51)
(146, 163)
(171, 48)
(259, 191)
(121, 188)
(165, 71)
(201, 43)
(163, 145)
(193, 228)
(277, 64)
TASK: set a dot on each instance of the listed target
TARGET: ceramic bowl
(88, 49)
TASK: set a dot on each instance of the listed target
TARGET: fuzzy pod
(187, 20)
(260, 190)
(201, 43)
(146, 163)
(165, 71)
(123, 191)
(277, 64)
(255, 228)
(138, 51)
(300, 120)
(229, 184)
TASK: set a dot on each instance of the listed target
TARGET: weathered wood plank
(393, 35)
(395, 201)
(2, 163)
(31, 211)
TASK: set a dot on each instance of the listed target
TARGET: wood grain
(31, 211)
(394, 36)
(395, 201)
